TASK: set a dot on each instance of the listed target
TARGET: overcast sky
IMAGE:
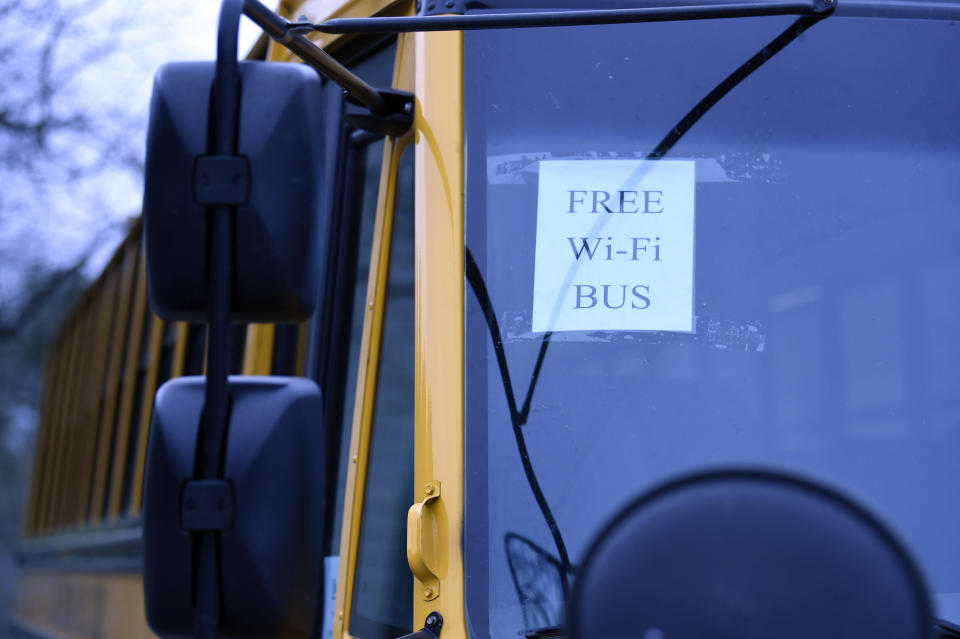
(147, 34)
(57, 220)
(160, 32)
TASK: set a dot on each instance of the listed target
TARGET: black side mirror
(747, 555)
(268, 511)
(273, 181)
(233, 503)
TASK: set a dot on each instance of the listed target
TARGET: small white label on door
(331, 567)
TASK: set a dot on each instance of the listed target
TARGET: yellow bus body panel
(81, 606)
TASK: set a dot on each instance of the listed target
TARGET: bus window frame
(330, 340)
(367, 372)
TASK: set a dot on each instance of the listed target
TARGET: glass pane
(376, 67)
(824, 272)
(372, 160)
(383, 585)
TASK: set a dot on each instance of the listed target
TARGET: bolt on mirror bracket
(441, 7)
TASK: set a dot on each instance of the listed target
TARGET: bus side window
(383, 585)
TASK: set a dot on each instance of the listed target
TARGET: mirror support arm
(683, 10)
(291, 35)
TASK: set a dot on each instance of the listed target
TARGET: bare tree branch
(40, 293)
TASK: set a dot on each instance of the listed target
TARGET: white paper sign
(614, 246)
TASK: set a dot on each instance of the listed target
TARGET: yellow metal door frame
(365, 396)
(432, 66)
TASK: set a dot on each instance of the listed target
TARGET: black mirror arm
(212, 436)
(292, 36)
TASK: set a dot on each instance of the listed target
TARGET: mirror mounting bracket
(431, 628)
(442, 7)
(397, 120)
(221, 180)
(292, 36)
(206, 505)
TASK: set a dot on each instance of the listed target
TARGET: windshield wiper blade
(519, 417)
(673, 13)
(547, 632)
(947, 629)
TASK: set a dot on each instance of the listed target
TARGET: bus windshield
(777, 288)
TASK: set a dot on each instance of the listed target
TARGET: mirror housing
(269, 508)
(747, 554)
(274, 185)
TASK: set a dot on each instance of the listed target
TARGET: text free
(622, 201)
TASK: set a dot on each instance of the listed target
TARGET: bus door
(362, 349)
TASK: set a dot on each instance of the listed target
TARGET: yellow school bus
(626, 318)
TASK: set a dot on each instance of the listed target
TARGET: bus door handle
(420, 542)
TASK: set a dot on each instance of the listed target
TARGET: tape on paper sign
(615, 246)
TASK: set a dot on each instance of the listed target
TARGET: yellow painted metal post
(258, 351)
(85, 321)
(112, 381)
(36, 475)
(180, 350)
(439, 314)
(92, 399)
(155, 348)
(52, 516)
(42, 461)
(129, 382)
(110, 295)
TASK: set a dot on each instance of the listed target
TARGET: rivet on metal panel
(432, 7)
